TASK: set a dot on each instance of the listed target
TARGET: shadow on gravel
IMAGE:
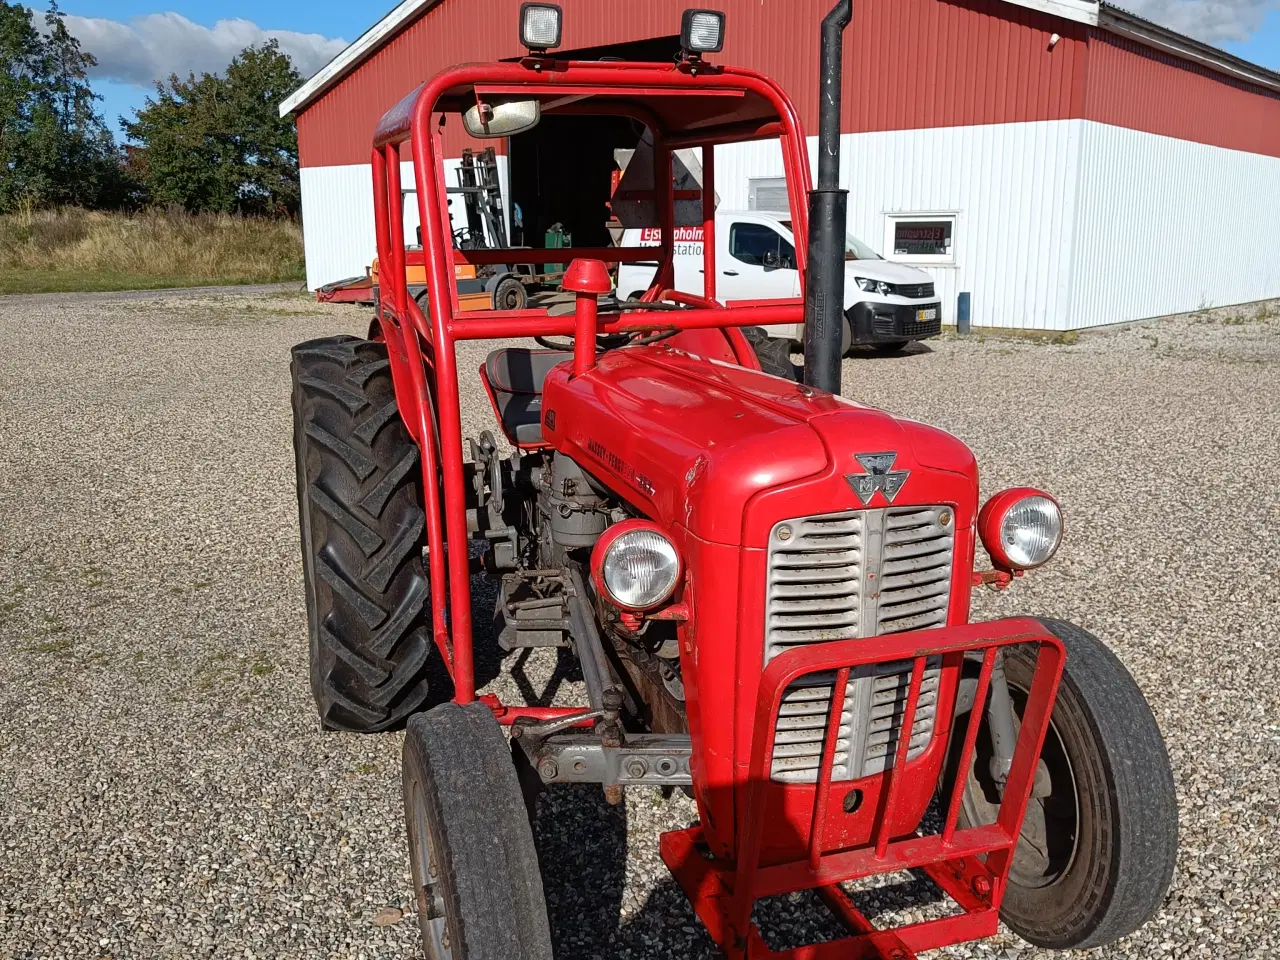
(586, 872)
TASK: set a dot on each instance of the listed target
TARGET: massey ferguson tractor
(766, 586)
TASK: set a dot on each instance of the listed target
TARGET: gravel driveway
(164, 791)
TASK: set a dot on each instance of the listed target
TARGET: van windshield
(854, 249)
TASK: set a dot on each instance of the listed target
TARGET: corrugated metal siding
(1132, 86)
(1011, 187)
(1167, 226)
(912, 63)
(337, 217)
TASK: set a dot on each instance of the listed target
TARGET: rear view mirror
(771, 260)
(487, 120)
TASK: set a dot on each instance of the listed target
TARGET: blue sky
(140, 40)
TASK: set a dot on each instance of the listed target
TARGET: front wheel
(1099, 839)
(475, 869)
(509, 295)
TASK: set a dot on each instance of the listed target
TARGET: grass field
(78, 250)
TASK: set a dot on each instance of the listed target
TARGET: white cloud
(150, 48)
(1213, 21)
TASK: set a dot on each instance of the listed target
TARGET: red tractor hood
(691, 441)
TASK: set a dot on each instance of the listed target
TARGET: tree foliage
(54, 147)
(217, 143)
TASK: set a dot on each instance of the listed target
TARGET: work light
(702, 31)
(636, 565)
(1021, 528)
(540, 25)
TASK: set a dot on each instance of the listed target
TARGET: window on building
(920, 239)
(768, 194)
(750, 242)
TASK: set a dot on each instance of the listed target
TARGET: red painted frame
(971, 865)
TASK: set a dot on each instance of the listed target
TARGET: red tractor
(766, 586)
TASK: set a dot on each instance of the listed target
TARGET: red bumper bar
(723, 894)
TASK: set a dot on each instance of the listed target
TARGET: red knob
(587, 276)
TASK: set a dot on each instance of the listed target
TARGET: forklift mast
(482, 193)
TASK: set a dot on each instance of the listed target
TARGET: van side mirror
(771, 260)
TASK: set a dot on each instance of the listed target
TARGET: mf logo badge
(880, 476)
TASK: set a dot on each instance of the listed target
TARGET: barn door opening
(562, 170)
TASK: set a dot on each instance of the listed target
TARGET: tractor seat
(516, 375)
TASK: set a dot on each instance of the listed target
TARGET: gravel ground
(164, 791)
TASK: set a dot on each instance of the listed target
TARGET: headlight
(867, 285)
(540, 25)
(702, 31)
(636, 565)
(1021, 528)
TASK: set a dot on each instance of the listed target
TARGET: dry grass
(70, 249)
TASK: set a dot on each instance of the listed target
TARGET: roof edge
(352, 56)
(1129, 25)
(1081, 11)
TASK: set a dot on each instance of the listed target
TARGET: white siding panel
(1011, 187)
(337, 216)
(1169, 226)
(337, 222)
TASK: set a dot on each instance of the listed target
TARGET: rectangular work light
(702, 31)
(540, 25)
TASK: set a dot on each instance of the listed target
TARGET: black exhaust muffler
(828, 216)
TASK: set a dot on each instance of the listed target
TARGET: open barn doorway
(561, 172)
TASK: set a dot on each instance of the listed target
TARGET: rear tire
(361, 519)
(475, 868)
(1097, 853)
(773, 353)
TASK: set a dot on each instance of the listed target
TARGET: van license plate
(930, 313)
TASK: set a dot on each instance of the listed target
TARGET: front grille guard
(723, 895)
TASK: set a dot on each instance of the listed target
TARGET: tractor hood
(692, 441)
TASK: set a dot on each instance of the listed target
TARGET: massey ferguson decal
(620, 467)
(880, 476)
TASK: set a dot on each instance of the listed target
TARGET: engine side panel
(686, 440)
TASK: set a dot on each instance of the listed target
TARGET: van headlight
(635, 565)
(867, 285)
(1021, 528)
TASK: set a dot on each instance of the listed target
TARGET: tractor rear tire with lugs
(475, 868)
(774, 353)
(361, 519)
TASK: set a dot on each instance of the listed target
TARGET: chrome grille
(822, 577)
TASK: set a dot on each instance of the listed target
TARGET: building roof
(1102, 15)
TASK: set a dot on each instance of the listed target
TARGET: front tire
(509, 295)
(362, 525)
(1096, 854)
(475, 869)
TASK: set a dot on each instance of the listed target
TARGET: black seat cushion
(516, 375)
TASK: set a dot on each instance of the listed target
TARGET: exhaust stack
(828, 214)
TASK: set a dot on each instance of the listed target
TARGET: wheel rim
(427, 880)
(1049, 838)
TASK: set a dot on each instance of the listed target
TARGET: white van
(886, 304)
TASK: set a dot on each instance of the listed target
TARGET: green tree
(54, 147)
(218, 143)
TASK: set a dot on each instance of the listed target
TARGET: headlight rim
(991, 520)
(601, 550)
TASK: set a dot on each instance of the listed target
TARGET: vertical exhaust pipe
(828, 214)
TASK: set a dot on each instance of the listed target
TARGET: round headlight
(1021, 528)
(639, 568)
